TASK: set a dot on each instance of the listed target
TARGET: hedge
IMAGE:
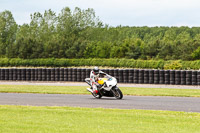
(116, 63)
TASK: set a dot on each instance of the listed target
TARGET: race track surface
(187, 104)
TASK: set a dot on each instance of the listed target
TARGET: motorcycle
(107, 87)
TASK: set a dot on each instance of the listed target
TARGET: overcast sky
(115, 12)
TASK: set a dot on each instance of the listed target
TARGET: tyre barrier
(146, 76)
(65, 74)
(125, 75)
(130, 75)
(183, 77)
(83, 74)
(167, 76)
(19, 75)
(141, 76)
(52, 74)
(57, 74)
(48, 74)
(188, 77)
(198, 77)
(161, 77)
(177, 77)
(61, 76)
(6, 74)
(194, 77)
(39, 74)
(172, 77)
(136, 76)
(121, 77)
(116, 74)
(32, 74)
(156, 77)
(2, 74)
(151, 76)
(74, 74)
(28, 74)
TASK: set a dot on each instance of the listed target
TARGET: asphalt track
(186, 104)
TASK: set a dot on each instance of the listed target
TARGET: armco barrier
(141, 76)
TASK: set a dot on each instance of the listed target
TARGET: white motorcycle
(108, 88)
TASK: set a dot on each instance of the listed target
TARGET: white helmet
(96, 70)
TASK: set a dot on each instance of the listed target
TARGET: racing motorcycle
(107, 87)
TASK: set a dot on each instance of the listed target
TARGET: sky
(115, 12)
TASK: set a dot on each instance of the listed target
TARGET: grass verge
(82, 90)
(28, 119)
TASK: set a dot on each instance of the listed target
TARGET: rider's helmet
(96, 70)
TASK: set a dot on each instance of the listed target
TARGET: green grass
(28, 119)
(82, 90)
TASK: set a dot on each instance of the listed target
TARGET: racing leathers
(94, 79)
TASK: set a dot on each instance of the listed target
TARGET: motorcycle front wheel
(117, 93)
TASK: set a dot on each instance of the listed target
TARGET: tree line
(80, 33)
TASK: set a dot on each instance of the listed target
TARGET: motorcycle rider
(94, 75)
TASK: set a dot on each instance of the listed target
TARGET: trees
(80, 34)
(8, 29)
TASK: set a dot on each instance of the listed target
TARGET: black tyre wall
(18, 76)
(146, 76)
(188, 77)
(79, 74)
(167, 77)
(151, 76)
(65, 74)
(141, 77)
(198, 77)
(172, 77)
(53, 74)
(161, 77)
(194, 78)
(48, 74)
(116, 74)
(121, 78)
(57, 74)
(2, 74)
(136, 76)
(156, 77)
(70, 74)
(61, 74)
(6, 74)
(123, 75)
(177, 77)
(74, 74)
(28, 74)
(130, 75)
(183, 77)
(10, 74)
(32, 74)
(23, 74)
